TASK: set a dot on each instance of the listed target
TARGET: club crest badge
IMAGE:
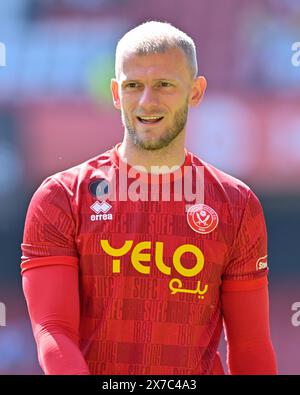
(202, 218)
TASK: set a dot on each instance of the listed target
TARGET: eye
(165, 84)
(131, 85)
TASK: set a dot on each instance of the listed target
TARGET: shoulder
(70, 179)
(224, 186)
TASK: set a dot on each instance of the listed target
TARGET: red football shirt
(151, 268)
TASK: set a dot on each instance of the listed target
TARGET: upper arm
(247, 265)
(244, 292)
(50, 227)
(49, 261)
(244, 296)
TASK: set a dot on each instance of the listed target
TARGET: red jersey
(151, 270)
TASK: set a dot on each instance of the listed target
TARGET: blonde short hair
(156, 37)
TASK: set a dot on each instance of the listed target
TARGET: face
(154, 93)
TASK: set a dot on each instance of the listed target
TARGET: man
(126, 269)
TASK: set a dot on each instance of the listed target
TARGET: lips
(153, 119)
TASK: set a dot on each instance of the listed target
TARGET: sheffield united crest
(202, 218)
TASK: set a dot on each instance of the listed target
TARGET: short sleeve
(247, 267)
(49, 231)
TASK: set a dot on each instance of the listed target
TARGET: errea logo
(101, 210)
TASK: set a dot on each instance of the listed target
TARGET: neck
(169, 157)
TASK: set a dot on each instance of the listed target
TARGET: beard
(179, 122)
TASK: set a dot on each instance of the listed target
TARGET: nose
(148, 98)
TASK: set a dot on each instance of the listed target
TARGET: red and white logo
(202, 218)
(262, 263)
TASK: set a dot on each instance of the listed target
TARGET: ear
(198, 90)
(114, 86)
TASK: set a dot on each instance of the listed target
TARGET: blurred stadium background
(56, 111)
